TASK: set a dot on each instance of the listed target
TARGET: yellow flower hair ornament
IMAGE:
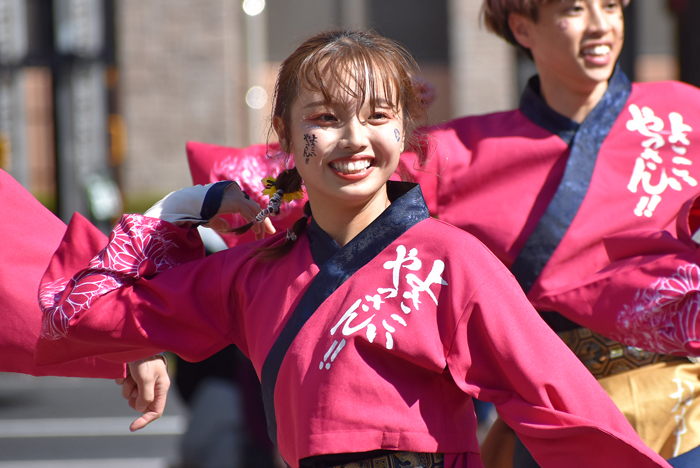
(276, 197)
(270, 189)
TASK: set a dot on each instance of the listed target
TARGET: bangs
(359, 65)
(362, 73)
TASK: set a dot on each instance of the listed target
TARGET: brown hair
(361, 63)
(324, 62)
(495, 14)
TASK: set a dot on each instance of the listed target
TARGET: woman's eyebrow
(385, 103)
(315, 103)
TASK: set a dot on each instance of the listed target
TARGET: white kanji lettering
(392, 320)
(646, 123)
(684, 174)
(389, 337)
(376, 301)
(418, 286)
(650, 163)
(679, 133)
(348, 317)
(411, 262)
(399, 319)
(332, 353)
(371, 332)
(679, 410)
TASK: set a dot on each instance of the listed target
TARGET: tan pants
(661, 402)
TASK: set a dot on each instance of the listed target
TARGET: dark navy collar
(534, 107)
(585, 145)
(406, 209)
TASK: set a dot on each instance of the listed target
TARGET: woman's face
(344, 150)
(577, 42)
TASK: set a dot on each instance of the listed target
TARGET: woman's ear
(278, 126)
(521, 27)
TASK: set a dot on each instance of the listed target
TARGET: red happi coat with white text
(627, 267)
(415, 318)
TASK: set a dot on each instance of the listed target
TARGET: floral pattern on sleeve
(664, 317)
(139, 247)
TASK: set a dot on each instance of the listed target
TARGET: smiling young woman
(371, 336)
(591, 201)
(345, 153)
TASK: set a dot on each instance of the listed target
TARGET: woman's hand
(146, 389)
(236, 200)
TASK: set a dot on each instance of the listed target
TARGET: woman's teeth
(597, 50)
(352, 167)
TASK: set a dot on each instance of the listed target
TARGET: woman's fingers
(234, 200)
(269, 228)
(260, 229)
(237, 201)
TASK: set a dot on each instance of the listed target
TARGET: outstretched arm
(134, 285)
(649, 295)
(146, 386)
(204, 205)
(504, 353)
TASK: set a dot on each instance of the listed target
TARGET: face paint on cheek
(309, 146)
(308, 126)
(397, 134)
(563, 24)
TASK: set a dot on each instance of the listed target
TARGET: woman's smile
(352, 167)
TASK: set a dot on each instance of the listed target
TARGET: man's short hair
(495, 15)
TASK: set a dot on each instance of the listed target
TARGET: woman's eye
(325, 118)
(380, 117)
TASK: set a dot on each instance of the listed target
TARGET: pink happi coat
(396, 332)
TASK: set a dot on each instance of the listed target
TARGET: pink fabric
(389, 361)
(30, 235)
(626, 268)
(248, 167)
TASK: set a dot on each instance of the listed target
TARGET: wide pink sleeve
(30, 235)
(649, 295)
(149, 290)
(504, 353)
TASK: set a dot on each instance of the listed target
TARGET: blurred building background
(98, 97)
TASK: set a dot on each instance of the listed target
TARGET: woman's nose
(354, 134)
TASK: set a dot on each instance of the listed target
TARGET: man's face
(576, 43)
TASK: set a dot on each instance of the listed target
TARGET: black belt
(400, 460)
(604, 357)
